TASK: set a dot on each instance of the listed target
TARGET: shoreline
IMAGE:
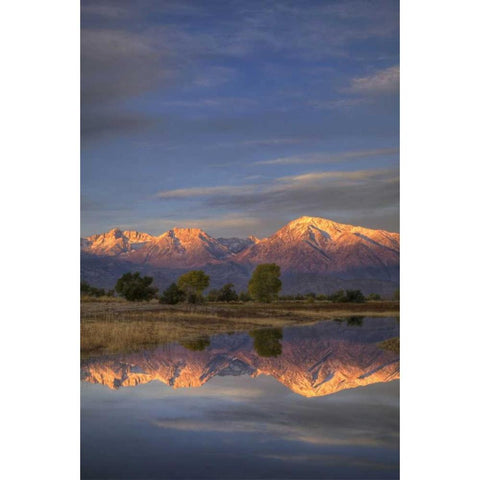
(119, 327)
(115, 307)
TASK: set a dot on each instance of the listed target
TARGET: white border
(439, 262)
(39, 241)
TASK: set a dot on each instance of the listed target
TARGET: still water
(311, 402)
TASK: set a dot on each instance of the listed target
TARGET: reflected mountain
(312, 361)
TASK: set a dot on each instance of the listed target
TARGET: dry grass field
(111, 325)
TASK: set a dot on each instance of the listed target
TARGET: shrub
(244, 297)
(338, 296)
(227, 293)
(172, 295)
(354, 296)
(310, 297)
(86, 289)
(374, 296)
(212, 295)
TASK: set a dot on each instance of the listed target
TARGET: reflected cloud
(351, 422)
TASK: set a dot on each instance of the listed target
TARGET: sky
(239, 116)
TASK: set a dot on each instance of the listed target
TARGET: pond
(304, 402)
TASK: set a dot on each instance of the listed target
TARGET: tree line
(263, 286)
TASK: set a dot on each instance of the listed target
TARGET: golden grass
(115, 336)
(101, 300)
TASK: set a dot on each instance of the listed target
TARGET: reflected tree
(266, 342)
(196, 345)
(355, 321)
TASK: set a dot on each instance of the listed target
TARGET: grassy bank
(114, 308)
(116, 326)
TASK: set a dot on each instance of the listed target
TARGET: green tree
(374, 296)
(265, 283)
(354, 296)
(227, 293)
(266, 341)
(193, 284)
(322, 297)
(134, 287)
(172, 295)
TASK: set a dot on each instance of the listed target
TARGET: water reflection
(243, 423)
(314, 360)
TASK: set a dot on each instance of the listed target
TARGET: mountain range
(315, 254)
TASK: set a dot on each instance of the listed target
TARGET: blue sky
(238, 116)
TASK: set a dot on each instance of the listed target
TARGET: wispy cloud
(343, 195)
(230, 103)
(338, 104)
(381, 82)
(277, 141)
(206, 191)
(277, 185)
(322, 158)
